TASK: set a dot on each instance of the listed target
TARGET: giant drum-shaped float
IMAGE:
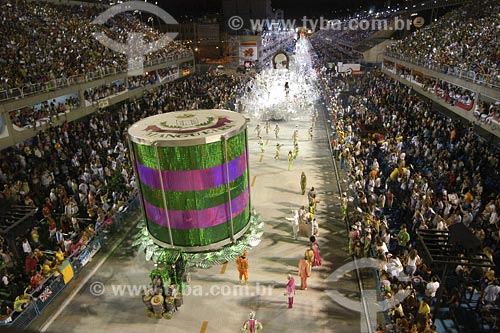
(193, 177)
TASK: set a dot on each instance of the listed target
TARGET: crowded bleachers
(412, 169)
(49, 111)
(337, 39)
(205, 91)
(462, 43)
(488, 113)
(484, 110)
(329, 50)
(93, 95)
(44, 113)
(48, 46)
(353, 30)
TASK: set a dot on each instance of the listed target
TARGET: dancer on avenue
(242, 264)
(278, 148)
(290, 290)
(315, 248)
(304, 272)
(261, 144)
(295, 223)
(252, 325)
(295, 136)
(295, 151)
(258, 130)
(303, 182)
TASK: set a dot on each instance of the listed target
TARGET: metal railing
(32, 89)
(463, 73)
(52, 286)
(359, 279)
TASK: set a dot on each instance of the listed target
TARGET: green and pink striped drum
(193, 177)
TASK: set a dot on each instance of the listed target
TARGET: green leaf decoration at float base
(163, 273)
(228, 253)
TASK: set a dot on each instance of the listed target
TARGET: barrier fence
(31, 89)
(351, 193)
(463, 73)
(71, 267)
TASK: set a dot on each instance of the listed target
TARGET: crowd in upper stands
(50, 111)
(52, 44)
(485, 112)
(335, 41)
(462, 40)
(205, 91)
(356, 29)
(329, 50)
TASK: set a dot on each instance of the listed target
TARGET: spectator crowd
(50, 44)
(411, 168)
(464, 41)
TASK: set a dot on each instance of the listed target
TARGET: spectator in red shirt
(31, 263)
(36, 279)
(47, 209)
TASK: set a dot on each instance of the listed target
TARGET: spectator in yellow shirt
(424, 309)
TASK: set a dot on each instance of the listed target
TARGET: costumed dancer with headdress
(303, 182)
(304, 272)
(252, 325)
(309, 255)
